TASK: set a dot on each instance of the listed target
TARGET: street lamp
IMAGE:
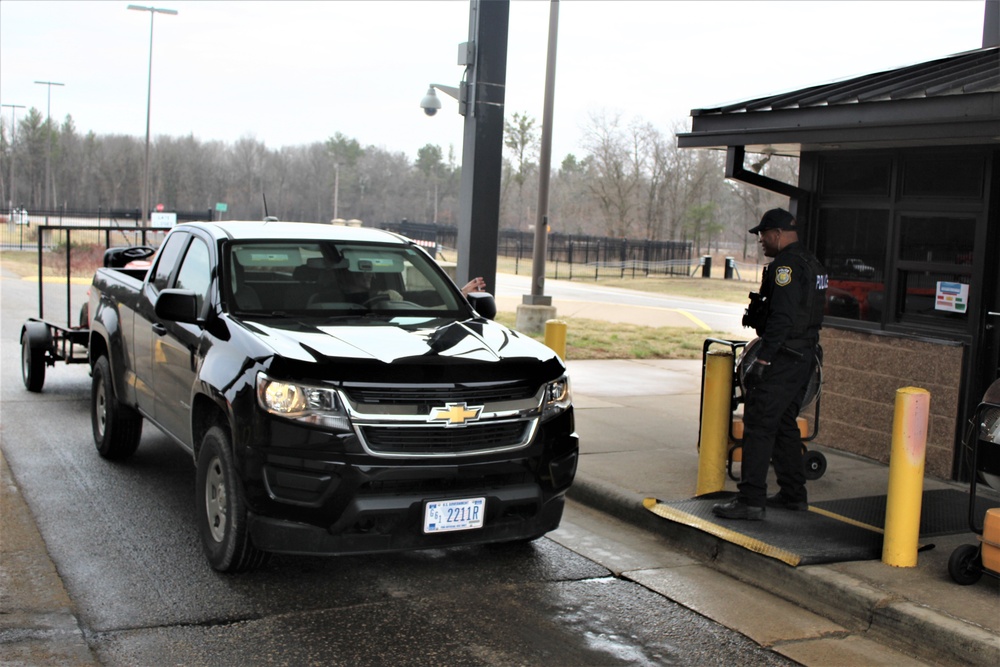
(13, 132)
(48, 136)
(149, 90)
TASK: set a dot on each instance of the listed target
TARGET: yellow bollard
(906, 477)
(716, 412)
(555, 336)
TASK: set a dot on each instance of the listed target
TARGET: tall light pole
(48, 136)
(537, 296)
(149, 94)
(13, 131)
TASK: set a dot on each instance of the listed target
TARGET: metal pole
(149, 99)
(336, 189)
(715, 416)
(48, 139)
(482, 153)
(906, 477)
(544, 168)
(144, 213)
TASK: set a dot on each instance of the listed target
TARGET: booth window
(935, 256)
(852, 244)
(897, 232)
(955, 176)
(857, 176)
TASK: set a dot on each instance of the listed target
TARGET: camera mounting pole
(482, 153)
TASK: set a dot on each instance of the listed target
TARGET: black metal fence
(19, 229)
(572, 255)
(567, 255)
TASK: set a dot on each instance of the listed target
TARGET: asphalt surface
(638, 422)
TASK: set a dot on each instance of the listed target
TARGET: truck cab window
(195, 273)
(167, 260)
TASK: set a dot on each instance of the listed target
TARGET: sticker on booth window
(951, 297)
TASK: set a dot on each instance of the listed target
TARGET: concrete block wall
(861, 373)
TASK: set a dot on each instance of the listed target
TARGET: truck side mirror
(483, 303)
(177, 305)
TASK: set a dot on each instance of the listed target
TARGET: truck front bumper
(343, 505)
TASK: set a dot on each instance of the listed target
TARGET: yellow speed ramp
(678, 516)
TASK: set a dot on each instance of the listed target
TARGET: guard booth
(899, 196)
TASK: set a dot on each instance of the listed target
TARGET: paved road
(123, 539)
(716, 316)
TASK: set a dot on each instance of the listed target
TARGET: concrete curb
(855, 604)
(38, 625)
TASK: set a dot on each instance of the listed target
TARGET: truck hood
(396, 339)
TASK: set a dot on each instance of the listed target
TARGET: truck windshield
(319, 278)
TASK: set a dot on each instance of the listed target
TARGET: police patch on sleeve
(783, 276)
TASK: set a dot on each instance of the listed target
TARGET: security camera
(430, 104)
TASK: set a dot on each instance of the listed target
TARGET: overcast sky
(292, 73)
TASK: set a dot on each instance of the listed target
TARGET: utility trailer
(43, 341)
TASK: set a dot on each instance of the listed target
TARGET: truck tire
(117, 427)
(221, 510)
(32, 364)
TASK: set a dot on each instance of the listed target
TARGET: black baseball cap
(776, 218)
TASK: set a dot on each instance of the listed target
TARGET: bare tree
(521, 140)
(614, 172)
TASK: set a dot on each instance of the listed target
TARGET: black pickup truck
(337, 392)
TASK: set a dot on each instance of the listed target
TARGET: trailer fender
(38, 334)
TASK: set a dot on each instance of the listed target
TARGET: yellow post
(906, 477)
(555, 336)
(716, 411)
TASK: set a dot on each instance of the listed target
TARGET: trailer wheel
(815, 464)
(221, 509)
(32, 364)
(965, 565)
(117, 427)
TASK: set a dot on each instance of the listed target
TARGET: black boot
(737, 508)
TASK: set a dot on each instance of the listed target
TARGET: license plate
(442, 516)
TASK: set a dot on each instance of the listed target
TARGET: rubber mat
(942, 511)
(795, 538)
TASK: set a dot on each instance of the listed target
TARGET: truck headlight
(558, 397)
(318, 406)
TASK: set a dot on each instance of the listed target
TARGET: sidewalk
(638, 426)
(37, 626)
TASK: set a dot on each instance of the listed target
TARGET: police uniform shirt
(795, 285)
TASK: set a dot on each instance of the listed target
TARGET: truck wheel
(965, 565)
(117, 427)
(32, 364)
(221, 510)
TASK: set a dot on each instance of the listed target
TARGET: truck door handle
(159, 329)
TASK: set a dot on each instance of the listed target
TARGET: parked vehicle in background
(19, 216)
(852, 267)
(336, 391)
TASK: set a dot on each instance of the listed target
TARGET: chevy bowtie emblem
(455, 414)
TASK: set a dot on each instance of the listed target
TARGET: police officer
(787, 317)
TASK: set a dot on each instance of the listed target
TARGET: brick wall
(861, 373)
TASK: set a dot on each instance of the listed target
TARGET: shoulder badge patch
(783, 276)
